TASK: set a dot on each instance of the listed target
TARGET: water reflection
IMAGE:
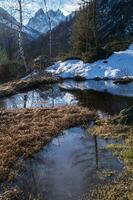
(68, 167)
(25, 100)
(73, 162)
(96, 151)
(102, 102)
(41, 97)
(102, 86)
(70, 93)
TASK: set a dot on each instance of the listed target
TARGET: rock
(123, 81)
(105, 61)
(42, 62)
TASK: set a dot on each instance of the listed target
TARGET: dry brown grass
(14, 194)
(23, 132)
(107, 130)
(14, 87)
(124, 151)
(122, 189)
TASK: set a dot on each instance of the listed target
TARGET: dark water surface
(75, 161)
(71, 93)
(101, 86)
(68, 167)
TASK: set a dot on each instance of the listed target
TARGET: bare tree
(50, 28)
(48, 6)
(21, 46)
(94, 2)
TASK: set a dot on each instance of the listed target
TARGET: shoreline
(14, 87)
(24, 132)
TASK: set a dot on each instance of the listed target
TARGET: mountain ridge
(7, 20)
(40, 20)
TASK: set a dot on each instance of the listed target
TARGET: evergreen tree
(79, 32)
(3, 56)
(84, 36)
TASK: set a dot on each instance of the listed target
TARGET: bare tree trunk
(50, 38)
(21, 48)
(50, 29)
(95, 22)
(88, 26)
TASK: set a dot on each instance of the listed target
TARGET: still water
(75, 161)
(86, 93)
(101, 86)
(68, 167)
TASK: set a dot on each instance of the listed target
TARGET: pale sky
(66, 6)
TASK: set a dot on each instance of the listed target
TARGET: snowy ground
(120, 64)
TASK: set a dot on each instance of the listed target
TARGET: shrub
(69, 56)
(117, 45)
(11, 70)
(95, 54)
(3, 56)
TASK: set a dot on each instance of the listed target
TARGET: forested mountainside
(9, 33)
(105, 24)
(9, 40)
(115, 19)
(110, 26)
(61, 40)
(7, 20)
(36, 26)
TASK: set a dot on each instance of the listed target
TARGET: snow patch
(120, 64)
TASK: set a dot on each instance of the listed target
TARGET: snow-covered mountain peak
(40, 21)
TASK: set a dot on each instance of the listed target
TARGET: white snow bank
(118, 65)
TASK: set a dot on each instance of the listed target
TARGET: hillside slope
(115, 19)
(8, 21)
(61, 40)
